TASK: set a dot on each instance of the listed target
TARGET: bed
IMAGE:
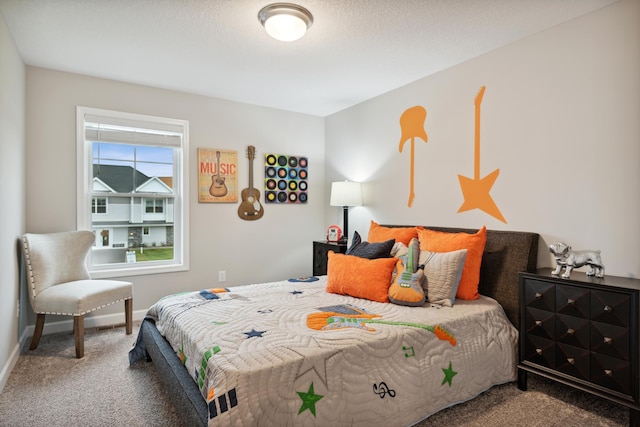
(291, 353)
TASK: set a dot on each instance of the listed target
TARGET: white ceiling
(354, 51)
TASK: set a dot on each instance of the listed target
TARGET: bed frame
(506, 254)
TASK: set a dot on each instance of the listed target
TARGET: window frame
(85, 194)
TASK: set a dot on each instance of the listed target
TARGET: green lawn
(153, 254)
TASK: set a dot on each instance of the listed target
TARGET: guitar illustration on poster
(218, 187)
(476, 190)
(250, 208)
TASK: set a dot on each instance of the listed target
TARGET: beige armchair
(59, 282)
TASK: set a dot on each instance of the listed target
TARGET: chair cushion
(81, 296)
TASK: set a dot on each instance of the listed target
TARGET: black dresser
(583, 332)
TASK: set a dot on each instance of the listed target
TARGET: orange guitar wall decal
(250, 208)
(218, 187)
(412, 125)
(476, 190)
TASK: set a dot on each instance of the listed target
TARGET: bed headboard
(506, 253)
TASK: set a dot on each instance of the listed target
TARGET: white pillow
(442, 271)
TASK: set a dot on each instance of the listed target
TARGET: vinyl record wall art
(285, 178)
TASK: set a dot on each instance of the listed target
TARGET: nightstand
(320, 251)
(582, 332)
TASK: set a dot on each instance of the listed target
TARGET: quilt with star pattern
(289, 353)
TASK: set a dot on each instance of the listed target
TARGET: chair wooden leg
(128, 314)
(78, 332)
(37, 333)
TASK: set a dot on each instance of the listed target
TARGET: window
(132, 187)
(99, 205)
(154, 206)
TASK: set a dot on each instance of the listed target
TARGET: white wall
(560, 119)
(12, 187)
(276, 247)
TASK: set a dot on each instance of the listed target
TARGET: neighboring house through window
(132, 186)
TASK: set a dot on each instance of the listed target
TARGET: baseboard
(99, 321)
(8, 367)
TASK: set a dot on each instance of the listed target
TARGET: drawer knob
(608, 340)
(571, 360)
(571, 301)
(608, 308)
(608, 372)
(538, 322)
(571, 331)
(538, 295)
(539, 351)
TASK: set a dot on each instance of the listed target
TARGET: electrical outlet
(222, 276)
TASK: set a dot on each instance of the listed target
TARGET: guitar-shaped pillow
(250, 208)
(218, 187)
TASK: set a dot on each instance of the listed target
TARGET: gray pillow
(370, 250)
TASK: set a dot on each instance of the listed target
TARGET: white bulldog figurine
(568, 259)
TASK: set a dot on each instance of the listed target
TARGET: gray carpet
(50, 387)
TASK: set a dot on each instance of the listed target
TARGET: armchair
(59, 282)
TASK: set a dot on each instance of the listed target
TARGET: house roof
(354, 51)
(122, 179)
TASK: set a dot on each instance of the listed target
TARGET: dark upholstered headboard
(506, 253)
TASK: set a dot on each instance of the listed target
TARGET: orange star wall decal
(476, 191)
(412, 126)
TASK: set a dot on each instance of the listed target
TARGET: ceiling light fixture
(285, 21)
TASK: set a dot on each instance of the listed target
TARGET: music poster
(217, 176)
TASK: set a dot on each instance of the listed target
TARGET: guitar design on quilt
(250, 208)
(218, 187)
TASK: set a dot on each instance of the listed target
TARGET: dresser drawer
(611, 307)
(573, 301)
(573, 331)
(540, 323)
(611, 373)
(540, 351)
(610, 340)
(574, 361)
(540, 295)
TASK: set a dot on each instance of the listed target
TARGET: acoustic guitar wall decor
(250, 208)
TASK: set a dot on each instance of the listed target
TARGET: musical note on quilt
(413, 353)
(382, 390)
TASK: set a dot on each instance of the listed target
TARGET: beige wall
(12, 187)
(560, 119)
(276, 247)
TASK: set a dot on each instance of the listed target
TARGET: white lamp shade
(346, 193)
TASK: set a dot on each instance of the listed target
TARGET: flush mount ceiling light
(285, 21)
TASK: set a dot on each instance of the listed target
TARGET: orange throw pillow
(359, 277)
(379, 233)
(438, 241)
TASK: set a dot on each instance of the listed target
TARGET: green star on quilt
(309, 400)
(449, 373)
